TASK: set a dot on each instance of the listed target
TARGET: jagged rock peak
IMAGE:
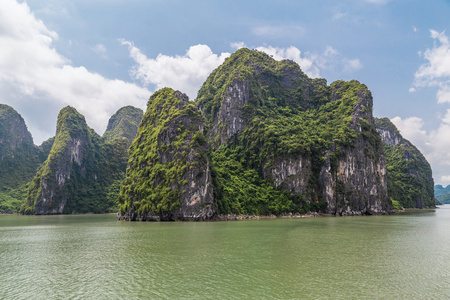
(168, 176)
(13, 131)
(388, 131)
(410, 178)
(124, 124)
(250, 82)
(70, 121)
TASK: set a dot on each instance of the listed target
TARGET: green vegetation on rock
(168, 147)
(83, 171)
(410, 180)
(19, 158)
(276, 142)
(123, 124)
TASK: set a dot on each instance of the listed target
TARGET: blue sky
(101, 55)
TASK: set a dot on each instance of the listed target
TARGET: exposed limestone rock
(168, 177)
(409, 176)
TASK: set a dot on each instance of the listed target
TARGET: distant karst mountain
(19, 158)
(442, 194)
(410, 180)
(269, 140)
(82, 172)
(74, 172)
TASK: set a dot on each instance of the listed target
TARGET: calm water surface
(404, 256)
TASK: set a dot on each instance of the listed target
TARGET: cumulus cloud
(435, 72)
(188, 72)
(310, 63)
(185, 73)
(33, 72)
(433, 144)
(293, 53)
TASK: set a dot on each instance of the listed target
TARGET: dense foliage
(409, 174)
(19, 158)
(169, 134)
(82, 171)
(123, 124)
(287, 114)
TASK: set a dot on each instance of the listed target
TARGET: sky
(98, 56)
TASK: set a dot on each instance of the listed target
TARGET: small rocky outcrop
(168, 176)
(409, 175)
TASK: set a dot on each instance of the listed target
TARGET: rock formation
(168, 176)
(410, 180)
(279, 142)
(19, 158)
(83, 171)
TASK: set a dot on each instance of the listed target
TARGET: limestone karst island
(261, 138)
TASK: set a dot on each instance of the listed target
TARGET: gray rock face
(229, 120)
(359, 184)
(410, 179)
(389, 137)
(70, 151)
(351, 183)
(293, 173)
(180, 146)
(13, 132)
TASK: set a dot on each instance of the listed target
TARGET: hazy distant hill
(75, 171)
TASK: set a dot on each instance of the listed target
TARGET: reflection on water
(97, 257)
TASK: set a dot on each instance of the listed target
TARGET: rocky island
(261, 138)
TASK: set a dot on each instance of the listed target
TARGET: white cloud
(188, 72)
(101, 51)
(237, 45)
(434, 144)
(33, 72)
(443, 94)
(306, 62)
(185, 73)
(445, 179)
(351, 65)
(279, 31)
(436, 71)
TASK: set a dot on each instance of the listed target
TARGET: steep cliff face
(13, 132)
(410, 179)
(315, 144)
(168, 176)
(19, 158)
(55, 184)
(82, 171)
(123, 124)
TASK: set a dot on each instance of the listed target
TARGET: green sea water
(404, 256)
